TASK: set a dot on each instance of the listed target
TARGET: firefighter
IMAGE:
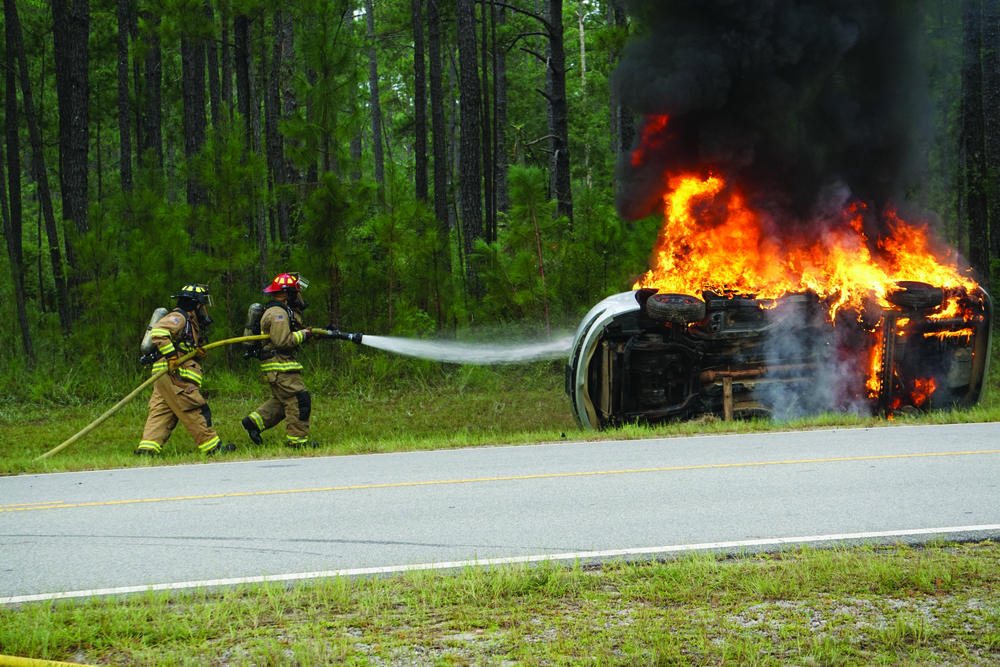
(176, 395)
(290, 400)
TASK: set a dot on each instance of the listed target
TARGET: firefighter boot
(300, 443)
(221, 448)
(148, 448)
(252, 430)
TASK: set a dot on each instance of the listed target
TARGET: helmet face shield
(202, 314)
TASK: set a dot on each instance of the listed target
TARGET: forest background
(432, 167)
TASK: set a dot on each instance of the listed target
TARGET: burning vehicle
(653, 357)
(720, 328)
(796, 270)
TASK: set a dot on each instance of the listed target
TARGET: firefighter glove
(201, 353)
(173, 363)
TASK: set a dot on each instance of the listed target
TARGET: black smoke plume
(792, 100)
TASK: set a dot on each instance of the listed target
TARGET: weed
(547, 614)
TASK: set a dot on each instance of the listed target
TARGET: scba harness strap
(187, 338)
(293, 323)
(186, 341)
(259, 352)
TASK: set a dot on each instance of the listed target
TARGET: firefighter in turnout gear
(290, 401)
(176, 395)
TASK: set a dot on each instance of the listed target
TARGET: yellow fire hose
(13, 661)
(138, 390)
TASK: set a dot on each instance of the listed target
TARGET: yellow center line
(50, 502)
(472, 480)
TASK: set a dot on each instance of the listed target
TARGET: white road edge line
(579, 555)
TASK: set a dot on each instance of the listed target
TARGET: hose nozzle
(334, 332)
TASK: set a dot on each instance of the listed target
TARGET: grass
(502, 409)
(373, 403)
(360, 423)
(864, 606)
(801, 607)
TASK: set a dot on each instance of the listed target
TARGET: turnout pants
(289, 401)
(175, 400)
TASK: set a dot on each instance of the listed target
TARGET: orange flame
(712, 240)
(651, 139)
(874, 382)
(922, 390)
(950, 334)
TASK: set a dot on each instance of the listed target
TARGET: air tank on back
(147, 346)
(252, 327)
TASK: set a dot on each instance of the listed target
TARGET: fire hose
(334, 333)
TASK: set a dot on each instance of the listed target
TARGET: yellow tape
(14, 661)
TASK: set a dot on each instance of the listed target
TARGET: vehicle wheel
(675, 308)
(912, 294)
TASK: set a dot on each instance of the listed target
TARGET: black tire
(912, 294)
(675, 308)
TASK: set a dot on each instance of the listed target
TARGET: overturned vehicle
(645, 356)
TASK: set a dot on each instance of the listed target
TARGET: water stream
(473, 353)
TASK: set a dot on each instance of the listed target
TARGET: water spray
(459, 353)
(472, 353)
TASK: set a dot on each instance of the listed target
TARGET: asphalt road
(73, 534)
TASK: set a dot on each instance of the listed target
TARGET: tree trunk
(469, 173)
(250, 110)
(15, 254)
(13, 217)
(437, 118)
(613, 98)
(550, 129)
(137, 79)
(991, 111)
(625, 120)
(255, 97)
(357, 129)
(376, 107)
(387, 135)
(583, 86)
(255, 128)
(124, 120)
(71, 33)
(560, 115)
(489, 226)
(193, 86)
(212, 58)
(453, 148)
(419, 103)
(226, 85)
(242, 58)
(973, 139)
(275, 142)
(442, 251)
(267, 74)
(500, 118)
(312, 172)
(40, 173)
(290, 106)
(154, 88)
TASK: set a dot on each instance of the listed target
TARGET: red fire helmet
(286, 282)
